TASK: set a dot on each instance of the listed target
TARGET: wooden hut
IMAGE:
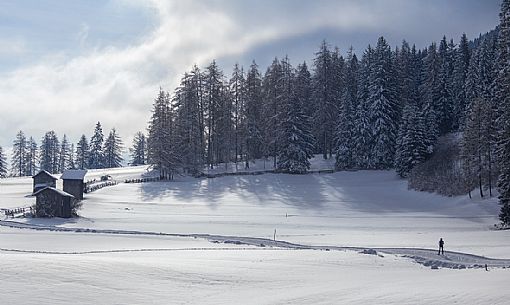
(42, 180)
(73, 182)
(51, 202)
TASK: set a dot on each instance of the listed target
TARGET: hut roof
(62, 193)
(74, 174)
(43, 172)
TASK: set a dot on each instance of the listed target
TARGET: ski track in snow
(425, 257)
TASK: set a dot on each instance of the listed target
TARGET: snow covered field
(198, 241)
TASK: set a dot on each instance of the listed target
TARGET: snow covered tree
(237, 87)
(412, 146)
(475, 146)
(253, 116)
(383, 106)
(345, 135)
(444, 90)
(71, 162)
(112, 150)
(32, 158)
(324, 100)
(362, 128)
(218, 116)
(19, 151)
(96, 156)
(430, 95)
(164, 151)
(502, 96)
(65, 155)
(272, 107)
(139, 149)
(49, 153)
(295, 136)
(460, 69)
(3, 164)
(82, 153)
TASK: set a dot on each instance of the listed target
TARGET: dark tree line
(55, 155)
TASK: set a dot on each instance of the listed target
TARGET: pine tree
(164, 151)
(383, 106)
(272, 107)
(502, 96)
(412, 147)
(139, 150)
(82, 153)
(96, 156)
(363, 137)
(112, 150)
(19, 152)
(252, 109)
(460, 70)
(218, 116)
(65, 155)
(444, 90)
(31, 157)
(429, 95)
(475, 145)
(50, 153)
(295, 137)
(324, 100)
(189, 107)
(71, 161)
(345, 135)
(3, 164)
(237, 86)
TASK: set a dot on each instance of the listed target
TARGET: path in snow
(426, 257)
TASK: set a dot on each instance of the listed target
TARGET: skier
(441, 249)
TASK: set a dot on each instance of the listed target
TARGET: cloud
(12, 47)
(83, 34)
(117, 84)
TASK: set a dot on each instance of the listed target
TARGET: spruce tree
(19, 152)
(82, 153)
(324, 100)
(430, 95)
(362, 128)
(272, 107)
(412, 146)
(383, 106)
(237, 86)
(345, 135)
(96, 156)
(217, 116)
(460, 70)
(502, 96)
(3, 164)
(253, 116)
(49, 153)
(139, 149)
(65, 155)
(32, 158)
(295, 137)
(168, 142)
(444, 99)
(112, 150)
(475, 144)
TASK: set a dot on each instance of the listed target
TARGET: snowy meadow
(255, 239)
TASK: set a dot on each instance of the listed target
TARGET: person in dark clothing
(441, 246)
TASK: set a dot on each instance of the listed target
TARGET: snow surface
(344, 238)
(74, 174)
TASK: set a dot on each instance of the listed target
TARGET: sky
(64, 65)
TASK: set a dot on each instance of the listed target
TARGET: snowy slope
(198, 241)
